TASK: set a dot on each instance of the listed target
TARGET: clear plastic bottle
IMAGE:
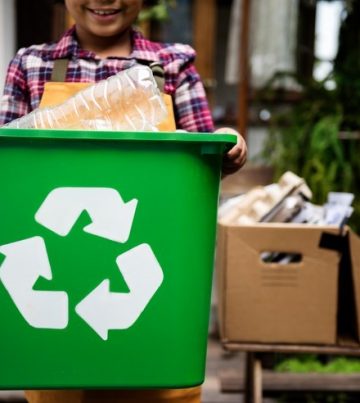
(127, 101)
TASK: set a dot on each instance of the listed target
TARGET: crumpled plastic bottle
(128, 101)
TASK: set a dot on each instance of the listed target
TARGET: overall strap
(159, 75)
(59, 70)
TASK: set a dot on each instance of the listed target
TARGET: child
(102, 43)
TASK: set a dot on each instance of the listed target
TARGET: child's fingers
(235, 158)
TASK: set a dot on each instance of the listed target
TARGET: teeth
(104, 12)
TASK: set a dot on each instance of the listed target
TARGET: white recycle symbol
(27, 260)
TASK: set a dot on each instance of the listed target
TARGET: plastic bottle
(127, 101)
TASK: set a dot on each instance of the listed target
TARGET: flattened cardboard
(273, 303)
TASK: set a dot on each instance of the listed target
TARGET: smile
(105, 12)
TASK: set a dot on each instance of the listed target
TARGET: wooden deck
(221, 362)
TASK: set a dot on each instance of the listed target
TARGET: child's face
(103, 18)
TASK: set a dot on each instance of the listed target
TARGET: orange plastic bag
(190, 395)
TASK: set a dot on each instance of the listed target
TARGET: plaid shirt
(32, 67)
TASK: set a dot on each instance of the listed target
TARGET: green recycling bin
(106, 257)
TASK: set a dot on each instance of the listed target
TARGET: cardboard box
(288, 303)
(348, 320)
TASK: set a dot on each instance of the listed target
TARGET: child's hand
(235, 158)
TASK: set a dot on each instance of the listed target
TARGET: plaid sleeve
(15, 100)
(191, 107)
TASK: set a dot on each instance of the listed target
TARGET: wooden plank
(258, 382)
(204, 31)
(253, 384)
(234, 382)
(305, 54)
(243, 91)
(290, 348)
(59, 21)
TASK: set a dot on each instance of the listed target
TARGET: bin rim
(228, 139)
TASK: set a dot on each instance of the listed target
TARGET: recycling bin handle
(215, 148)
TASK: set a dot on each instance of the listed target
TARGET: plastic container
(128, 100)
(151, 200)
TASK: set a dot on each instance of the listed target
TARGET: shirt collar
(142, 48)
(68, 47)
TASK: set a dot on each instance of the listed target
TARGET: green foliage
(306, 138)
(158, 11)
(316, 398)
(347, 67)
(306, 141)
(310, 363)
